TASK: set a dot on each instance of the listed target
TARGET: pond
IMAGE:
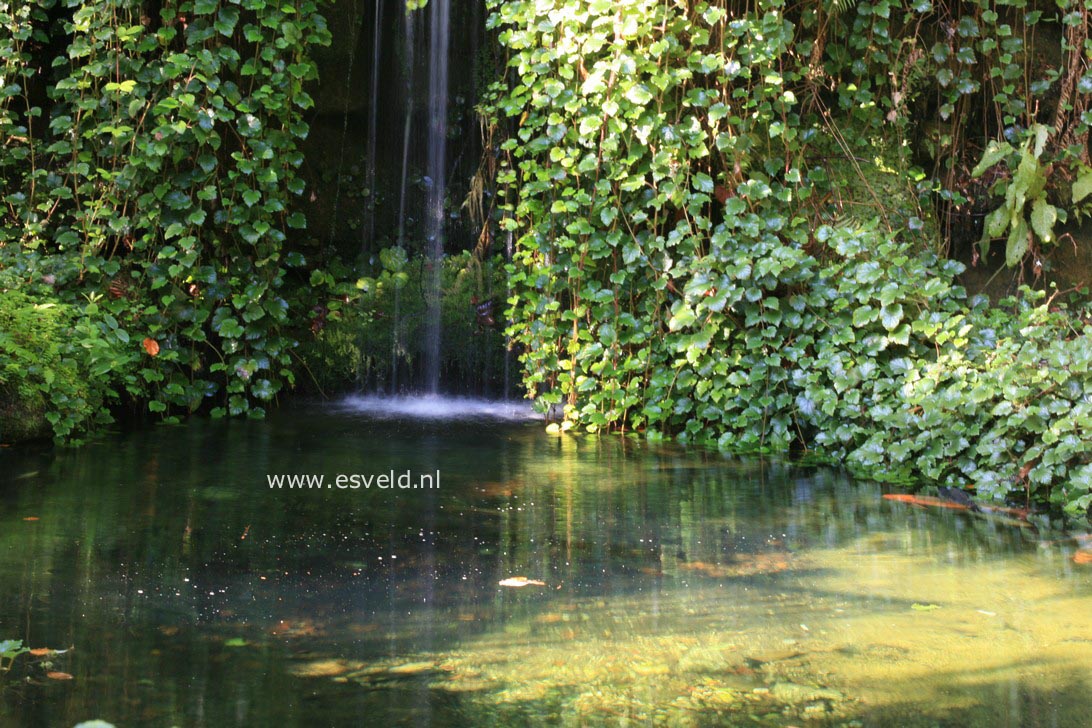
(641, 585)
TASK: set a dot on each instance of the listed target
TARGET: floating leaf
(54, 675)
(520, 581)
(925, 500)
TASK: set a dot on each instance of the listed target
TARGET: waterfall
(358, 28)
(439, 35)
(408, 19)
(507, 394)
(373, 130)
(344, 129)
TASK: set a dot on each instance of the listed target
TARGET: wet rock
(650, 668)
(706, 659)
(792, 693)
(413, 668)
(740, 679)
(764, 658)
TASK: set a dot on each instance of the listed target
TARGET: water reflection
(678, 586)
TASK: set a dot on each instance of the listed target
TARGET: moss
(22, 417)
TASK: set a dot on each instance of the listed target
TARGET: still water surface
(665, 586)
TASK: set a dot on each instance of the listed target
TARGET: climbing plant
(1026, 212)
(150, 161)
(690, 260)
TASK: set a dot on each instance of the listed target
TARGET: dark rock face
(21, 419)
(345, 209)
(1066, 262)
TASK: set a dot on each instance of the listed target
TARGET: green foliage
(156, 171)
(385, 329)
(1003, 405)
(54, 364)
(687, 266)
(9, 650)
(1024, 190)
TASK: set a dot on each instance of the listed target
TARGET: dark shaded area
(337, 148)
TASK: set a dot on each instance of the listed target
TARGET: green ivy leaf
(891, 316)
(682, 316)
(1082, 186)
(1043, 217)
(995, 152)
(1017, 246)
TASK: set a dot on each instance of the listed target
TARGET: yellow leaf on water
(519, 581)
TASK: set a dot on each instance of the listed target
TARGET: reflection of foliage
(9, 650)
(647, 542)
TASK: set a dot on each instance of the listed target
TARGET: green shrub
(364, 340)
(154, 163)
(56, 367)
(692, 261)
(1004, 405)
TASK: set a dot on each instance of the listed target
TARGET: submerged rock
(787, 692)
(413, 668)
(706, 659)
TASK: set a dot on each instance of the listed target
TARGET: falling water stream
(439, 37)
(373, 128)
(508, 250)
(344, 127)
(408, 20)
